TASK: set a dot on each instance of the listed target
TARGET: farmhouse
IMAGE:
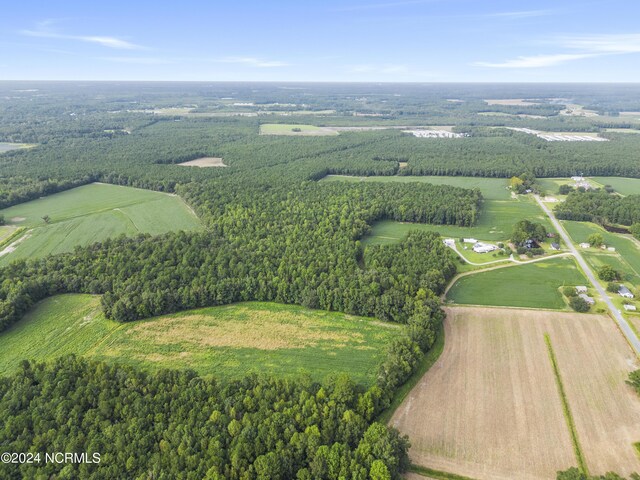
(581, 289)
(449, 242)
(555, 246)
(585, 245)
(587, 298)
(531, 243)
(484, 247)
(630, 308)
(625, 292)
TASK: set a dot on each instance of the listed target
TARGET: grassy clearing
(626, 258)
(489, 407)
(533, 285)
(294, 129)
(491, 188)
(622, 185)
(93, 213)
(6, 146)
(495, 223)
(565, 407)
(226, 342)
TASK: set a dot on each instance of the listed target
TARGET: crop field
(226, 342)
(490, 408)
(626, 258)
(622, 185)
(294, 129)
(494, 224)
(491, 188)
(92, 213)
(204, 162)
(533, 285)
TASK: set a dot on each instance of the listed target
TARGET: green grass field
(622, 185)
(288, 129)
(532, 286)
(491, 188)
(626, 258)
(495, 223)
(226, 342)
(92, 213)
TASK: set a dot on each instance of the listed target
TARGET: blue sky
(350, 40)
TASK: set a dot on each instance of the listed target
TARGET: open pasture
(626, 258)
(294, 130)
(622, 185)
(490, 408)
(93, 213)
(534, 285)
(204, 162)
(520, 102)
(225, 342)
(495, 223)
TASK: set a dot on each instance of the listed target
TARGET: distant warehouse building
(630, 308)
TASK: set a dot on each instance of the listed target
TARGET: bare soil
(204, 162)
(490, 409)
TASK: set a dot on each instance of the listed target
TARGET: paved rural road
(622, 323)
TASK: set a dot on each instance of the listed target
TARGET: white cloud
(43, 31)
(589, 46)
(622, 43)
(536, 61)
(254, 62)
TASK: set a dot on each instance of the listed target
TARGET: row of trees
(600, 207)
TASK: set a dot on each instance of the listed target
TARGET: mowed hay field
(226, 342)
(93, 213)
(495, 223)
(533, 285)
(490, 408)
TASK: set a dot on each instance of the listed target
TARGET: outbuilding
(625, 292)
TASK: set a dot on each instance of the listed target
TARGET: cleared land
(495, 223)
(626, 258)
(6, 147)
(622, 185)
(510, 101)
(294, 129)
(204, 162)
(490, 409)
(534, 285)
(93, 213)
(226, 342)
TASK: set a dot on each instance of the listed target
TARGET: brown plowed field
(490, 409)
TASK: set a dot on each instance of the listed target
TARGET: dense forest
(173, 424)
(600, 207)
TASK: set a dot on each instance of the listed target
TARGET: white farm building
(480, 247)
